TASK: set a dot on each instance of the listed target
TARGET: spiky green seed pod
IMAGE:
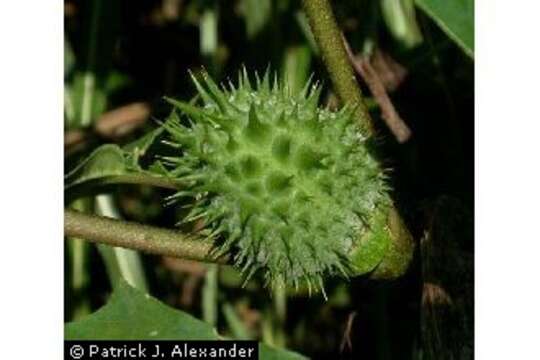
(287, 187)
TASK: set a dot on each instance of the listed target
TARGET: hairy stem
(83, 189)
(328, 36)
(143, 179)
(136, 236)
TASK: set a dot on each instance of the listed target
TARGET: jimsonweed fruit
(286, 187)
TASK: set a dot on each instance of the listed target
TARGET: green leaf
(131, 314)
(107, 160)
(455, 18)
(110, 164)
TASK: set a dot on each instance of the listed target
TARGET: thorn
(258, 81)
(321, 285)
(188, 109)
(202, 92)
(172, 144)
(281, 120)
(295, 112)
(314, 96)
(266, 80)
(216, 94)
(215, 232)
(195, 217)
(249, 275)
(305, 89)
(275, 86)
(231, 86)
(255, 129)
(245, 79)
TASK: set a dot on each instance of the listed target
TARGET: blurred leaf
(69, 57)
(303, 23)
(236, 325)
(88, 97)
(296, 66)
(69, 65)
(107, 160)
(209, 295)
(208, 28)
(257, 14)
(267, 352)
(400, 18)
(91, 82)
(132, 314)
(455, 18)
(89, 94)
(116, 81)
(78, 266)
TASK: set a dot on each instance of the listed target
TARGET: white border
(31, 160)
(507, 180)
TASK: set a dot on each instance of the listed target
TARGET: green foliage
(92, 80)
(106, 161)
(257, 15)
(290, 188)
(400, 19)
(109, 161)
(131, 314)
(456, 19)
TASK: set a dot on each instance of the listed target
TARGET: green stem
(94, 186)
(78, 261)
(149, 239)
(328, 36)
(89, 80)
(279, 294)
(143, 179)
(210, 295)
(120, 263)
